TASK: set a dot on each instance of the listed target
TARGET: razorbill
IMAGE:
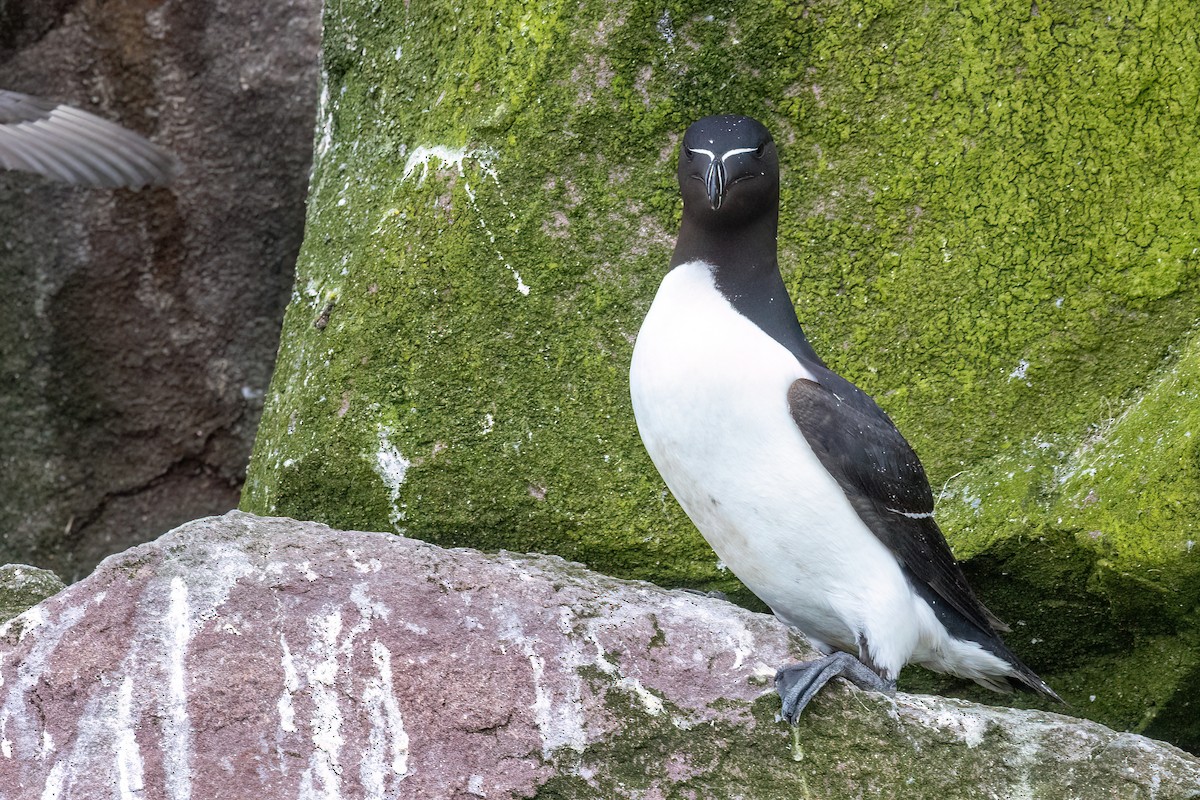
(797, 479)
(62, 142)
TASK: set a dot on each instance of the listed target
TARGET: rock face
(142, 326)
(22, 587)
(250, 657)
(988, 216)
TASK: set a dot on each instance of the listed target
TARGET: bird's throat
(746, 271)
(729, 247)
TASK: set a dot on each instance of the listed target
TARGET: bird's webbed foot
(798, 683)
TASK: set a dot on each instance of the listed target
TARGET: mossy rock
(22, 587)
(989, 217)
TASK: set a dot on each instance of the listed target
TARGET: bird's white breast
(709, 391)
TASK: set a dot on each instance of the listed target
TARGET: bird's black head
(728, 170)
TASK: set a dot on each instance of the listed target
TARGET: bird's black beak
(714, 179)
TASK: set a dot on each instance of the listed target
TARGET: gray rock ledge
(246, 657)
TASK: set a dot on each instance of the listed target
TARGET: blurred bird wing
(62, 142)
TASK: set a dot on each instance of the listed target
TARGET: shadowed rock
(142, 327)
(243, 656)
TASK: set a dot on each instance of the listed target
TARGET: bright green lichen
(989, 222)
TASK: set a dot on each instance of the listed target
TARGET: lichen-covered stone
(988, 222)
(248, 657)
(22, 587)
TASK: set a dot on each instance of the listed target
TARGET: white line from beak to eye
(736, 152)
(711, 155)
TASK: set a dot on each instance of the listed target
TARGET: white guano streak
(423, 155)
(177, 728)
(55, 781)
(387, 742)
(291, 685)
(129, 757)
(651, 702)
(28, 675)
(392, 469)
(560, 725)
(325, 762)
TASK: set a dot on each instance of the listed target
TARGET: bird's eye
(758, 151)
(688, 153)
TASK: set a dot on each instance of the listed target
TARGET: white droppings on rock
(29, 621)
(129, 756)
(521, 285)
(177, 730)
(438, 156)
(425, 157)
(368, 608)
(15, 720)
(964, 723)
(385, 758)
(323, 776)
(55, 781)
(740, 641)
(557, 715)
(325, 120)
(765, 673)
(665, 29)
(542, 706)
(291, 685)
(392, 467)
(650, 702)
(369, 566)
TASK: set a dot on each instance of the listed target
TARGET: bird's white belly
(709, 391)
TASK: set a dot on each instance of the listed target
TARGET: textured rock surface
(23, 587)
(988, 222)
(141, 328)
(249, 657)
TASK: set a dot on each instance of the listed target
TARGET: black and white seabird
(797, 479)
(62, 142)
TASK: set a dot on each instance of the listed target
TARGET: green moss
(22, 587)
(988, 222)
(1089, 550)
(846, 746)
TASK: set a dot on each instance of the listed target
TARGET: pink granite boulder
(246, 657)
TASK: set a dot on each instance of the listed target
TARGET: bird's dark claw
(798, 683)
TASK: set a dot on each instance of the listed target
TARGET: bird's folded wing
(62, 142)
(885, 483)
